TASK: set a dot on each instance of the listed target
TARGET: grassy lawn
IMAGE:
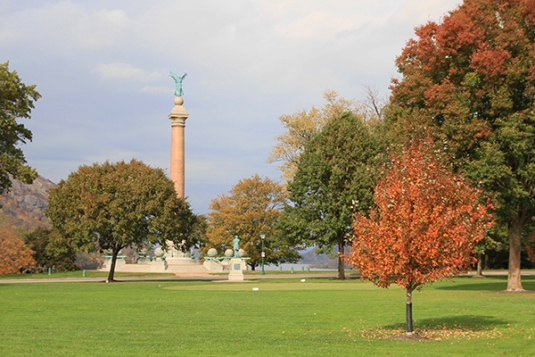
(80, 274)
(284, 317)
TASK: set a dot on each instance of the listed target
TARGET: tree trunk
(479, 271)
(409, 311)
(514, 280)
(111, 274)
(341, 270)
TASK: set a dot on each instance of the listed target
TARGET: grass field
(284, 317)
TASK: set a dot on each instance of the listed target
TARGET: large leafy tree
(16, 101)
(471, 81)
(335, 176)
(15, 254)
(252, 207)
(113, 206)
(424, 227)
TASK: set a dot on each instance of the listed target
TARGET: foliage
(49, 251)
(470, 79)
(112, 206)
(425, 226)
(16, 101)
(253, 206)
(335, 176)
(301, 128)
(15, 255)
(198, 230)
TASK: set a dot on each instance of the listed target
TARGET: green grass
(285, 317)
(79, 274)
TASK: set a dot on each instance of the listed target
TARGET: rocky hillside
(23, 206)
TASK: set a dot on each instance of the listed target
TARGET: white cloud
(117, 18)
(125, 71)
(64, 26)
(157, 89)
(324, 25)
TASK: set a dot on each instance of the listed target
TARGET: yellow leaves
(301, 128)
(251, 207)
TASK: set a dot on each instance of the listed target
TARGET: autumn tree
(301, 127)
(16, 101)
(112, 206)
(471, 81)
(15, 254)
(336, 173)
(252, 207)
(424, 227)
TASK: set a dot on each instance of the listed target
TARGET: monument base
(235, 270)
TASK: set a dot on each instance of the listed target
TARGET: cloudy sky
(102, 67)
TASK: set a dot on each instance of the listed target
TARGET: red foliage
(425, 225)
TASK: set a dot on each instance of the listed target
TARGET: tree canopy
(424, 227)
(112, 206)
(15, 254)
(336, 175)
(470, 80)
(16, 101)
(301, 127)
(252, 207)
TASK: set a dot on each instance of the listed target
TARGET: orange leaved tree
(15, 254)
(424, 227)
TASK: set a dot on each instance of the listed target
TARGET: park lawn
(81, 274)
(283, 317)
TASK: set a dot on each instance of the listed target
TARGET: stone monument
(178, 118)
(171, 259)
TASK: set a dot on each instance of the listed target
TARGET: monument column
(178, 118)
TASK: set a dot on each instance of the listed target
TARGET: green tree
(335, 177)
(16, 101)
(112, 206)
(253, 206)
(49, 250)
(470, 80)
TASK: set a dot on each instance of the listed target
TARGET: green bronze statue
(178, 81)
(236, 246)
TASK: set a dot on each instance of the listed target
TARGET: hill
(23, 206)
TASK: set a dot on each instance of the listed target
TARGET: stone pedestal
(213, 266)
(235, 270)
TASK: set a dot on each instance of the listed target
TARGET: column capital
(178, 114)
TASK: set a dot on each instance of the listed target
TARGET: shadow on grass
(494, 283)
(467, 326)
(458, 327)
(467, 322)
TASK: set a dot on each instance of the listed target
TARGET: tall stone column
(178, 118)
